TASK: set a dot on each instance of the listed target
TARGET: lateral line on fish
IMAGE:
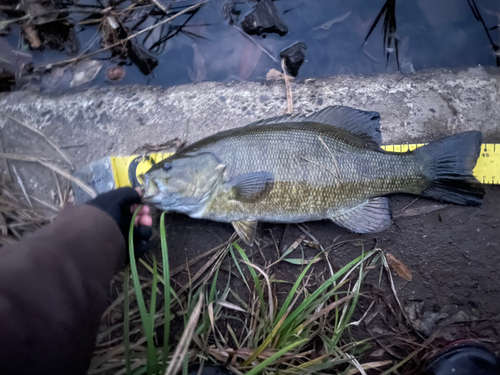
(487, 169)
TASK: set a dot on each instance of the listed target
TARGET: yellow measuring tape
(487, 169)
(128, 169)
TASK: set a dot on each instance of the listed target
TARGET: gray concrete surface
(117, 120)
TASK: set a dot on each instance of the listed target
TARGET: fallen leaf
(274, 74)
(249, 60)
(40, 13)
(230, 305)
(333, 21)
(12, 59)
(313, 244)
(32, 36)
(421, 210)
(199, 71)
(377, 353)
(401, 269)
(85, 71)
(148, 148)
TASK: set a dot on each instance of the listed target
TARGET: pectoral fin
(371, 216)
(246, 230)
(251, 187)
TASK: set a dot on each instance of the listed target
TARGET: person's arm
(53, 291)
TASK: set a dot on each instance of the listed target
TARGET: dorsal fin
(364, 124)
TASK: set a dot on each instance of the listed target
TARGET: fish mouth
(150, 189)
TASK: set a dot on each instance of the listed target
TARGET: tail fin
(449, 164)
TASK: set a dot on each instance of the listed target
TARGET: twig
(48, 205)
(77, 145)
(122, 40)
(257, 44)
(319, 165)
(35, 130)
(202, 256)
(334, 160)
(289, 94)
(7, 171)
(412, 354)
(59, 193)
(22, 186)
(55, 168)
(408, 205)
(160, 5)
(393, 287)
(325, 253)
(183, 346)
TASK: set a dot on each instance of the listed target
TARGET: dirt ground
(452, 253)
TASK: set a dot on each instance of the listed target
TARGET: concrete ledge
(117, 120)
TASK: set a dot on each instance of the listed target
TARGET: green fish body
(291, 169)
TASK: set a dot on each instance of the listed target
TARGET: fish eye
(167, 166)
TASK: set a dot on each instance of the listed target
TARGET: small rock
(115, 73)
(294, 57)
(264, 19)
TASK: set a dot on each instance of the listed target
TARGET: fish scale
(305, 185)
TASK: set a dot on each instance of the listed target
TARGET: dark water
(204, 46)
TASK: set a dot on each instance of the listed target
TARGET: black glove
(117, 203)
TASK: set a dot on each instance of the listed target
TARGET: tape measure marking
(128, 169)
(487, 169)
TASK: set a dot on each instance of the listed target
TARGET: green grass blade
(257, 369)
(231, 250)
(166, 282)
(256, 280)
(126, 318)
(308, 301)
(154, 286)
(213, 290)
(290, 296)
(152, 360)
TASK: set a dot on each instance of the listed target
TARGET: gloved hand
(121, 204)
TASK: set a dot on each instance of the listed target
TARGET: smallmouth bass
(291, 169)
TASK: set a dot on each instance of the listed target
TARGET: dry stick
(22, 187)
(334, 160)
(202, 270)
(187, 335)
(257, 44)
(35, 130)
(48, 205)
(6, 163)
(393, 287)
(289, 94)
(59, 192)
(160, 5)
(269, 292)
(204, 255)
(53, 167)
(123, 40)
(319, 165)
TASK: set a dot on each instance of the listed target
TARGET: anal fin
(371, 216)
(246, 230)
